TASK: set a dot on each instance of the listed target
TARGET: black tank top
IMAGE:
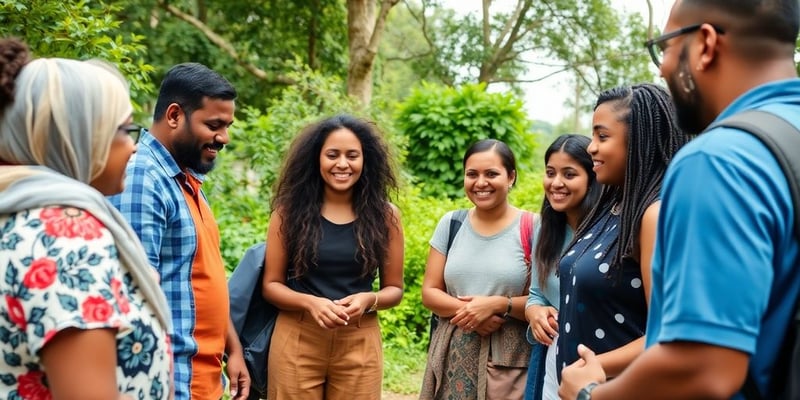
(338, 272)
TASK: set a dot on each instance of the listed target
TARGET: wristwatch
(586, 392)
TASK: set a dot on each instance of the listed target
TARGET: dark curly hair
(653, 139)
(299, 195)
(14, 55)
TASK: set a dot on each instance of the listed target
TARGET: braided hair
(653, 138)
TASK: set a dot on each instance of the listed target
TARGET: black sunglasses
(656, 46)
(132, 130)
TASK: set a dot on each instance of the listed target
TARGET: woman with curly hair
(83, 315)
(331, 233)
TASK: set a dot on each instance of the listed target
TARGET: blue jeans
(533, 386)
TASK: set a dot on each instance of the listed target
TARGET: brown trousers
(309, 362)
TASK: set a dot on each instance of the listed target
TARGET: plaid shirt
(154, 204)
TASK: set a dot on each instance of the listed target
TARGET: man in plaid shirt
(167, 209)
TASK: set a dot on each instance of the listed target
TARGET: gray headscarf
(58, 131)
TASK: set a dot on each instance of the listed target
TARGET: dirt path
(397, 396)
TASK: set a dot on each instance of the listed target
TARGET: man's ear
(710, 46)
(173, 115)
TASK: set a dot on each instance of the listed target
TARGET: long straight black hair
(553, 228)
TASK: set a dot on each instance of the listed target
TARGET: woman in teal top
(571, 190)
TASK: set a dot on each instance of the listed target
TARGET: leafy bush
(441, 122)
(79, 29)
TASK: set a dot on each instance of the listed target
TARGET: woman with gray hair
(81, 312)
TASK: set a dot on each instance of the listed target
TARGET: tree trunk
(364, 33)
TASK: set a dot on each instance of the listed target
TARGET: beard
(189, 152)
(687, 98)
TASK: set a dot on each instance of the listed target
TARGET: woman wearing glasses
(84, 315)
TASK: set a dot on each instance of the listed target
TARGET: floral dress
(59, 270)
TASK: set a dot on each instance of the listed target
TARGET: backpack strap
(527, 225)
(779, 135)
(456, 220)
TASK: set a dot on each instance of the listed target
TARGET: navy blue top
(338, 272)
(601, 306)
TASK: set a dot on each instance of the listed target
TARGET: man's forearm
(679, 371)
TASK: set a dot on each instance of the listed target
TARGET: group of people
(114, 282)
(114, 285)
(642, 235)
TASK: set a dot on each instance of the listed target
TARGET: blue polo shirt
(726, 269)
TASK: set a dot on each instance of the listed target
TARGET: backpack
(526, 224)
(253, 317)
(780, 137)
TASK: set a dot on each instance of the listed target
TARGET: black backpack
(783, 139)
(253, 317)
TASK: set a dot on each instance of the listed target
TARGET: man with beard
(726, 269)
(168, 210)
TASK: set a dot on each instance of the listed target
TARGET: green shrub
(441, 122)
(81, 30)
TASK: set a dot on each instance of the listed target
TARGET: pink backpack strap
(526, 226)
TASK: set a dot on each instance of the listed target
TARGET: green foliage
(442, 122)
(81, 30)
(262, 33)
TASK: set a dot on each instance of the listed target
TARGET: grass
(403, 369)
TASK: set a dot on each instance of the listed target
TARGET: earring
(688, 84)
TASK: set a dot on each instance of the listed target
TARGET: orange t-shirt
(210, 293)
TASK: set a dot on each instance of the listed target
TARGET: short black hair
(778, 20)
(188, 84)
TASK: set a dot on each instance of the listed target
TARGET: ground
(397, 396)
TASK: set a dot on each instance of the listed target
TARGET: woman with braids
(571, 190)
(331, 233)
(605, 273)
(83, 316)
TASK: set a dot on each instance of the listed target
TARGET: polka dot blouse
(601, 306)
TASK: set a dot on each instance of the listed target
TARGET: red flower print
(16, 312)
(70, 222)
(96, 309)
(41, 274)
(31, 386)
(119, 296)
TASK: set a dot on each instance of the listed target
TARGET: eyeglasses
(658, 45)
(132, 130)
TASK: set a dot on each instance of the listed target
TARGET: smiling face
(609, 146)
(341, 161)
(565, 182)
(203, 134)
(486, 180)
